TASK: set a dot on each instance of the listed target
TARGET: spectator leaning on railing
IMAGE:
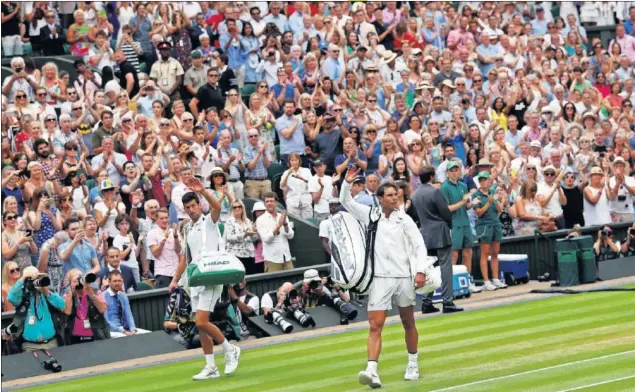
(118, 313)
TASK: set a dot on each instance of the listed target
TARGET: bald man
(351, 157)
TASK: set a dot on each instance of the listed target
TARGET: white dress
(598, 214)
(125, 14)
(589, 12)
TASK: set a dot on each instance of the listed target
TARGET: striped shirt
(259, 171)
(131, 55)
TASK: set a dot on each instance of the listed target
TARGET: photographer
(274, 314)
(245, 304)
(628, 245)
(605, 247)
(179, 321)
(36, 322)
(315, 291)
(85, 308)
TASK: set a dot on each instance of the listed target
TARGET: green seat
(246, 92)
(274, 169)
(143, 286)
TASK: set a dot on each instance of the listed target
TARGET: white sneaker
(365, 377)
(489, 286)
(499, 284)
(231, 360)
(207, 373)
(474, 288)
(412, 372)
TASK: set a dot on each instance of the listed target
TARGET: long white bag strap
(204, 228)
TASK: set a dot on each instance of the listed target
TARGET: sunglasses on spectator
(20, 96)
(213, 75)
(188, 119)
(126, 120)
(77, 108)
(237, 207)
(477, 80)
(49, 119)
(550, 174)
(71, 148)
(11, 217)
(168, 125)
(569, 177)
(337, 110)
(41, 94)
(263, 86)
(253, 136)
(71, 92)
(372, 100)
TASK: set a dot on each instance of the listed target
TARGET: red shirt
(20, 138)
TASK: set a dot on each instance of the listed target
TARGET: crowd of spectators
(514, 105)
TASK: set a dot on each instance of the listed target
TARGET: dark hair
(496, 100)
(101, 33)
(70, 221)
(382, 188)
(188, 197)
(107, 75)
(286, 101)
(38, 143)
(112, 248)
(270, 195)
(566, 117)
(446, 145)
(120, 219)
(126, 163)
(245, 24)
(398, 176)
(77, 63)
(113, 273)
(101, 116)
(427, 174)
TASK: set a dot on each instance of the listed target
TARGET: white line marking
(597, 384)
(533, 371)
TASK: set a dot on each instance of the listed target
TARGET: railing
(148, 307)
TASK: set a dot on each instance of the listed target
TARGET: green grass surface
(454, 350)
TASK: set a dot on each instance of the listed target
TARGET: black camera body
(52, 365)
(88, 279)
(32, 284)
(606, 233)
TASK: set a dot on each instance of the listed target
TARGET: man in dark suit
(113, 258)
(436, 222)
(51, 36)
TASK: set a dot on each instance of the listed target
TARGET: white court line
(598, 383)
(532, 371)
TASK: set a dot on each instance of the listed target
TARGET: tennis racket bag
(214, 267)
(353, 251)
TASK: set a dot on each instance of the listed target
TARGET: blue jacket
(112, 316)
(38, 324)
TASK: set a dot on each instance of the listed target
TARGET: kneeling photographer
(85, 308)
(605, 247)
(245, 304)
(275, 314)
(36, 322)
(316, 291)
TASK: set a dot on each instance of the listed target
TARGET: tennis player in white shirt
(204, 298)
(400, 259)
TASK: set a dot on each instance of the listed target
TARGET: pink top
(81, 315)
(168, 260)
(459, 37)
(627, 43)
(258, 252)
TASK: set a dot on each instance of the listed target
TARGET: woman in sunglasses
(10, 275)
(22, 107)
(240, 234)
(17, 246)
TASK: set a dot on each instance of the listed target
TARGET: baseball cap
(451, 165)
(334, 200)
(164, 45)
(359, 179)
(106, 184)
(311, 275)
(197, 54)
(482, 175)
(317, 162)
(535, 143)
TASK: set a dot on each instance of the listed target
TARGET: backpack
(353, 251)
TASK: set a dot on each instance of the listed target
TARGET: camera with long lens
(276, 318)
(52, 365)
(87, 279)
(347, 312)
(10, 330)
(303, 318)
(32, 284)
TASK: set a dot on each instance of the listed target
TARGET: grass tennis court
(568, 343)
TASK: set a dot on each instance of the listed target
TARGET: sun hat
(388, 57)
(484, 162)
(596, 170)
(258, 206)
(218, 170)
(619, 160)
(311, 275)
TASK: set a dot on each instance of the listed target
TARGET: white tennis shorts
(205, 298)
(383, 291)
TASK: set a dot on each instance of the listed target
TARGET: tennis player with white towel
(204, 298)
(400, 265)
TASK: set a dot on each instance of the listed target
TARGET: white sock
(209, 358)
(227, 346)
(372, 366)
(414, 358)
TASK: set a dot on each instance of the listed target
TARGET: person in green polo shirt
(458, 198)
(489, 229)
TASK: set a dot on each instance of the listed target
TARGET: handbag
(214, 267)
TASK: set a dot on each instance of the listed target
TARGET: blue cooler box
(513, 269)
(461, 284)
